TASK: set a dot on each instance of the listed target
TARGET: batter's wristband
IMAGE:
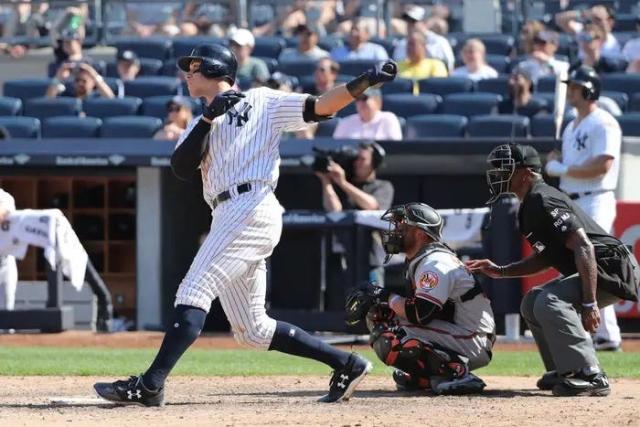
(357, 86)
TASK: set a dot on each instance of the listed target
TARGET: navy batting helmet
(586, 77)
(217, 61)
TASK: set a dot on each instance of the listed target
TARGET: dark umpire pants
(553, 314)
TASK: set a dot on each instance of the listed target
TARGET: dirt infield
(508, 401)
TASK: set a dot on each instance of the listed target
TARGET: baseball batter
(444, 328)
(8, 268)
(588, 168)
(235, 144)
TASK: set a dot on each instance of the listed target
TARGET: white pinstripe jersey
(244, 142)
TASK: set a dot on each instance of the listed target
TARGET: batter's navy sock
(292, 340)
(183, 331)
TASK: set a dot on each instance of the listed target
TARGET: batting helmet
(586, 77)
(217, 61)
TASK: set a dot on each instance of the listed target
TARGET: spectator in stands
(520, 88)
(152, 18)
(68, 48)
(370, 122)
(437, 47)
(475, 67)
(4, 133)
(280, 81)
(631, 52)
(358, 45)
(541, 62)
(573, 22)
(307, 46)
(128, 65)
(417, 66)
(213, 18)
(591, 40)
(13, 50)
(178, 116)
(528, 33)
(250, 69)
(324, 76)
(87, 83)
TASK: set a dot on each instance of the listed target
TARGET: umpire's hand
(484, 266)
(220, 104)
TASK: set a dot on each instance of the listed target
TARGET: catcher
(444, 328)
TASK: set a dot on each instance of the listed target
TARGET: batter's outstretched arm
(188, 155)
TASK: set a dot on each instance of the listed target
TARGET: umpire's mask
(414, 214)
(503, 161)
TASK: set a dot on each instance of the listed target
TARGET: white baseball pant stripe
(602, 208)
(8, 283)
(231, 264)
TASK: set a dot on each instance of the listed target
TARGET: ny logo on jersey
(581, 142)
(241, 116)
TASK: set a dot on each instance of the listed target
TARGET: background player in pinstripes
(235, 143)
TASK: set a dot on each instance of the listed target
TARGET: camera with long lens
(344, 156)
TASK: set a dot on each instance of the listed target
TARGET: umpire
(598, 270)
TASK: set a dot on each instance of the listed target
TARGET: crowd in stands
(310, 46)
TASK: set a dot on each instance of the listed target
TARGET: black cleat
(344, 381)
(601, 344)
(467, 384)
(583, 385)
(548, 380)
(406, 382)
(130, 392)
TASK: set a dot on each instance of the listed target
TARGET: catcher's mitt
(360, 300)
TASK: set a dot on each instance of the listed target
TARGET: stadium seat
(326, 128)
(21, 127)
(355, 67)
(169, 68)
(407, 105)
(50, 107)
(182, 46)
(388, 45)
(71, 127)
(149, 47)
(102, 107)
(629, 123)
(500, 63)
(625, 22)
(26, 88)
(99, 66)
(116, 86)
(621, 82)
(544, 125)
(329, 42)
(399, 85)
(445, 85)
(505, 126)
(436, 126)
(148, 67)
(351, 109)
(156, 106)
(471, 104)
(622, 99)
(297, 68)
(272, 64)
(130, 127)
(10, 106)
(634, 102)
(269, 47)
(152, 86)
(546, 84)
(496, 85)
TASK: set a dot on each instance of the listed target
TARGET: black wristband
(358, 85)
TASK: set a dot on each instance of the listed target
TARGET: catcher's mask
(414, 214)
(503, 161)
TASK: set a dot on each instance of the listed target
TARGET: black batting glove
(379, 74)
(220, 104)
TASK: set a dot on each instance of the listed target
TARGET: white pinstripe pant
(231, 264)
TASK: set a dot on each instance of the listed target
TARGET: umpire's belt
(576, 196)
(226, 195)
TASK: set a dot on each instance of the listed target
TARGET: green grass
(122, 362)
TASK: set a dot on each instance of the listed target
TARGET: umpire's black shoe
(583, 385)
(406, 382)
(344, 381)
(130, 392)
(549, 380)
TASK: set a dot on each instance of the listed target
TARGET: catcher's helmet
(217, 61)
(502, 163)
(586, 77)
(418, 215)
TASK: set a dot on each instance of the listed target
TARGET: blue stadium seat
(102, 107)
(182, 46)
(351, 109)
(407, 105)
(151, 86)
(398, 85)
(169, 68)
(156, 106)
(544, 125)
(269, 47)
(115, 84)
(629, 123)
(10, 106)
(505, 126)
(149, 47)
(500, 63)
(297, 68)
(71, 127)
(634, 102)
(388, 45)
(26, 88)
(436, 126)
(272, 64)
(51, 107)
(496, 85)
(355, 67)
(99, 66)
(21, 127)
(148, 67)
(546, 84)
(622, 99)
(445, 85)
(625, 22)
(471, 104)
(621, 82)
(327, 127)
(329, 42)
(130, 127)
